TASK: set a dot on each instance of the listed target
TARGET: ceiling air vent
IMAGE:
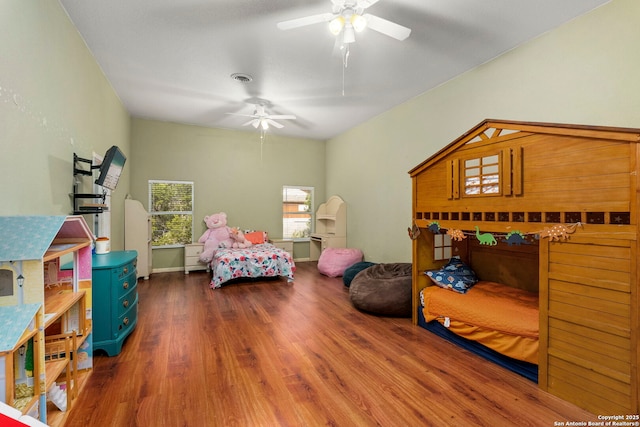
(241, 77)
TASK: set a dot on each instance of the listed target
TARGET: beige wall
(231, 170)
(54, 101)
(585, 72)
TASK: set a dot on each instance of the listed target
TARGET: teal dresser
(115, 299)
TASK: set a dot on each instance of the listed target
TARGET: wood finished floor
(270, 353)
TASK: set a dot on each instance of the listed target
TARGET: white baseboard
(167, 270)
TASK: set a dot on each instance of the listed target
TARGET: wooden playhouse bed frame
(572, 192)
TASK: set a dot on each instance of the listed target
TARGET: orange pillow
(256, 237)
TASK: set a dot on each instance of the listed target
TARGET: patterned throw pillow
(456, 276)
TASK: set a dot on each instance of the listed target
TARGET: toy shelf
(60, 248)
(58, 304)
(57, 355)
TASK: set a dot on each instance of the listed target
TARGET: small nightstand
(192, 261)
(284, 244)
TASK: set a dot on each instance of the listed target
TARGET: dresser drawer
(284, 244)
(193, 250)
(192, 258)
(192, 261)
(125, 302)
(126, 284)
(126, 321)
(120, 272)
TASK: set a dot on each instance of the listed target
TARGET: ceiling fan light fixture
(358, 22)
(336, 25)
(349, 36)
(264, 124)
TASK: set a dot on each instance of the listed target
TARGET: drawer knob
(125, 285)
(125, 321)
(125, 303)
(126, 270)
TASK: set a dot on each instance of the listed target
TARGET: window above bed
(297, 212)
(171, 209)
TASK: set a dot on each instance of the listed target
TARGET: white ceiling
(171, 60)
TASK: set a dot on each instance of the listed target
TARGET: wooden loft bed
(571, 192)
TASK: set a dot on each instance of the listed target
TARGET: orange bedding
(500, 317)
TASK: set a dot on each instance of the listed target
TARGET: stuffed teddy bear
(239, 240)
(218, 235)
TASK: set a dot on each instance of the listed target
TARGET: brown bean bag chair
(383, 289)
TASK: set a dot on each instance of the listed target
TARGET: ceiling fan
(260, 119)
(347, 18)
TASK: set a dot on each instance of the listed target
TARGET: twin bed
(258, 260)
(491, 318)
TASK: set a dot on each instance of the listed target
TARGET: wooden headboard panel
(515, 265)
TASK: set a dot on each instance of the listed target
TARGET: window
(482, 176)
(171, 209)
(297, 212)
(441, 246)
(6, 283)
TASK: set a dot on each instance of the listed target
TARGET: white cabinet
(331, 227)
(192, 258)
(137, 235)
(284, 244)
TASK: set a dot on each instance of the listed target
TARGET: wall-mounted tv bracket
(86, 208)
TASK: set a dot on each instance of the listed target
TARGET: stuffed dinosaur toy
(218, 235)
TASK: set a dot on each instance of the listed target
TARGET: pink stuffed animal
(218, 235)
(239, 240)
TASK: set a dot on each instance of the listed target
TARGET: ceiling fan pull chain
(345, 60)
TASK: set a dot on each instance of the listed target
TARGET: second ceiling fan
(347, 18)
(260, 118)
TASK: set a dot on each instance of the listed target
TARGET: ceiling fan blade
(249, 122)
(307, 20)
(281, 117)
(274, 124)
(242, 115)
(388, 28)
(366, 3)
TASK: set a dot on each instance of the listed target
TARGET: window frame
(311, 211)
(482, 175)
(153, 213)
(442, 247)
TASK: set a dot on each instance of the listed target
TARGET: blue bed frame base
(526, 369)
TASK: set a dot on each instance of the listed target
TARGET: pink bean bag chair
(334, 261)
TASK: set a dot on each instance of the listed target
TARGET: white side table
(284, 244)
(192, 261)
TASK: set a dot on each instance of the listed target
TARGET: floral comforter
(263, 260)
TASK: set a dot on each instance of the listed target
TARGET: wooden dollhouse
(45, 313)
(553, 209)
